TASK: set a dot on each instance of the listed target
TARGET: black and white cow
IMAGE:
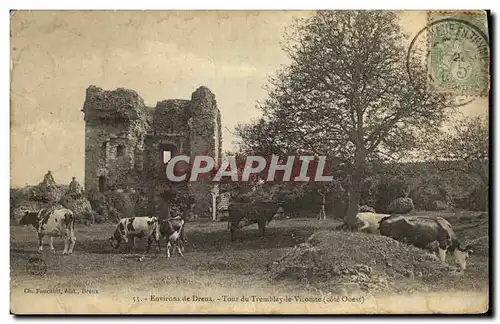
(52, 222)
(136, 227)
(421, 231)
(172, 230)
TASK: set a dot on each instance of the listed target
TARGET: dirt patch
(359, 261)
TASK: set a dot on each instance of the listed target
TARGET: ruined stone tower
(128, 144)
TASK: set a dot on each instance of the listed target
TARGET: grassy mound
(358, 261)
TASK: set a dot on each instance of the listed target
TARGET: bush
(478, 199)
(98, 202)
(88, 218)
(113, 205)
(122, 202)
(99, 219)
(401, 206)
(81, 207)
(439, 205)
(387, 190)
(21, 205)
(424, 196)
(47, 194)
(17, 210)
(19, 194)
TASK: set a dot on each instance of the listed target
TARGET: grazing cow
(136, 227)
(172, 230)
(53, 223)
(243, 214)
(421, 231)
(370, 221)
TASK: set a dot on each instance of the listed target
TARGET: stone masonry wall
(136, 136)
(170, 132)
(204, 141)
(117, 118)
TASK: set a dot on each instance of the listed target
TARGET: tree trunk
(357, 178)
(214, 207)
(262, 227)
(354, 199)
(322, 215)
(233, 231)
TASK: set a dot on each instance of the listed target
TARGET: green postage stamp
(458, 47)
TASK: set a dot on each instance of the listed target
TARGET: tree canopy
(346, 93)
(464, 147)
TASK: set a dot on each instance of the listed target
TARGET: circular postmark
(455, 55)
(36, 267)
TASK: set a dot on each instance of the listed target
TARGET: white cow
(53, 223)
(370, 221)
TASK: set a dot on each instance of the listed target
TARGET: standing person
(48, 180)
(168, 199)
(74, 188)
(322, 215)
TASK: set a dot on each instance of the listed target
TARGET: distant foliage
(478, 199)
(34, 198)
(122, 203)
(439, 205)
(401, 206)
(112, 205)
(98, 202)
(464, 151)
(17, 210)
(468, 143)
(366, 209)
(47, 194)
(388, 188)
(80, 206)
(428, 184)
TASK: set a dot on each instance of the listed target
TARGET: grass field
(211, 261)
(208, 256)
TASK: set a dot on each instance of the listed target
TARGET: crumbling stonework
(204, 139)
(125, 143)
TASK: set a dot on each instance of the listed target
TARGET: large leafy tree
(347, 93)
(464, 148)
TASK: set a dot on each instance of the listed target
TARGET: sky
(56, 55)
